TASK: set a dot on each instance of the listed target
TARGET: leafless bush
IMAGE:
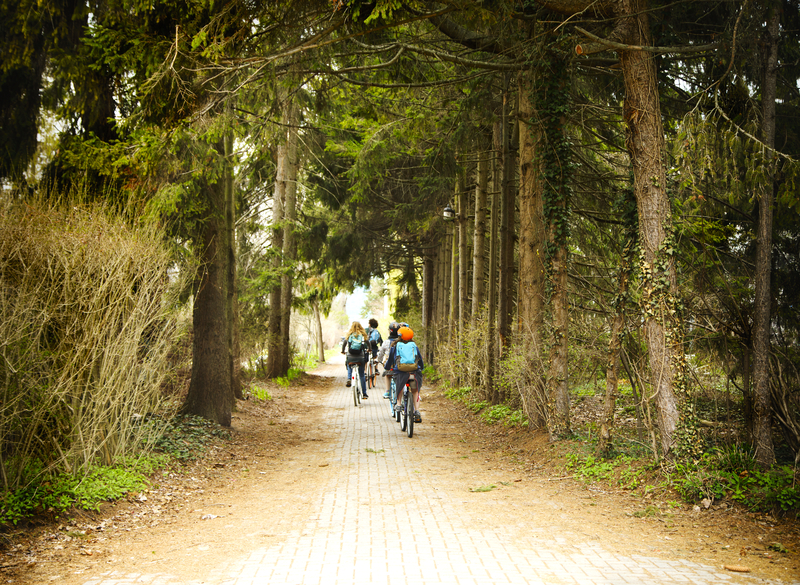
(87, 321)
(464, 362)
(785, 385)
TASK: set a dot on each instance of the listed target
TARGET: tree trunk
(645, 142)
(463, 258)
(289, 244)
(274, 326)
(762, 430)
(491, 301)
(210, 394)
(531, 225)
(453, 268)
(558, 382)
(479, 236)
(605, 445)
(230, 250)
(507, 214)
(428, 288)
(318, 324)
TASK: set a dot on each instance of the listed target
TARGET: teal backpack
(407, 356)
(355, 343)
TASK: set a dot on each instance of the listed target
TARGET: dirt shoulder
(277, 452)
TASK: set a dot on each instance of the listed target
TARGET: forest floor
(197, 519)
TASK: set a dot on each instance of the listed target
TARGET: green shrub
(590, 469)
(259, 393)
(477, 406)
(733, 474)
(59, 494)
(503, 413)
(187, 436)
(431, 374)
(459, 394)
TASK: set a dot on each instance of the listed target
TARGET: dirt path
(314, 490)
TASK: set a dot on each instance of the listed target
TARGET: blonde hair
(356, 328)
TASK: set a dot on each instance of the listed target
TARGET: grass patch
(259, 392)
(503, 413)
(483, 488)
(291, 376)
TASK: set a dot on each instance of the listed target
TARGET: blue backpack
(407, 356)
(355, 343)
(375, 339)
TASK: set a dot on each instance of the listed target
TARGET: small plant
(495, 413)
(459, 394)
(648, 512)
(57, 494)
(371, 450)
(259, 393)
(290, 377)
(431, 374)
(590, 469)
(187, 436)
(483, 488)
(477, 406)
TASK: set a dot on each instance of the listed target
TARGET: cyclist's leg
(349, 373)
(388, 384)
(415, 396)
(362, 378)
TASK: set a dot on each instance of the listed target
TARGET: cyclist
(406, 363)
(383, 352)
(356, 346)
(374, 336)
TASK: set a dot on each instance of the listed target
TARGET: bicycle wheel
(404, 413)
(354, 384)
(397, 405)
(370, 375)
(410, 415)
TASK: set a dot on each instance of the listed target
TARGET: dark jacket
(400, 378)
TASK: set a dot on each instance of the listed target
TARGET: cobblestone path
(376, 519)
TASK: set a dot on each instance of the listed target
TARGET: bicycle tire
(397, 408)
(410, 416)
(370, 375)
(404, 413)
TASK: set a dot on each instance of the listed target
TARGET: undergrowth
(52, 495)
(728, 475)
(722, 474)
(491, 414)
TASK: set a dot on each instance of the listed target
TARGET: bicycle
(407, 411)
(393, 401)
(354, 382)
(370, 373)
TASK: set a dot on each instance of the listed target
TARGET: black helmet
(393, 327)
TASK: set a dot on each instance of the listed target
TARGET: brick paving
(351, 538)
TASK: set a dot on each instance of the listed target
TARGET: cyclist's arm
(390, 360)
(382, 351)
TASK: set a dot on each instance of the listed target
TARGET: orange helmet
(405, 333)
